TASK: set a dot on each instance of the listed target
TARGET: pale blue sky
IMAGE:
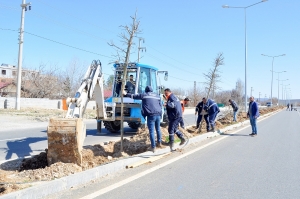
(182, 37)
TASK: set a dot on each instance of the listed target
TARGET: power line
(172, 58)
(74, 16)
(181, 69)
(67, 45)
(59, 43)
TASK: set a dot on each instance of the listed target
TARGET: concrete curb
(44, 189)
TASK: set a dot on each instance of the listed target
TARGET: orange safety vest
(182, 105)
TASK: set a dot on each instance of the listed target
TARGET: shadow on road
(93, 132)
(21, 147)
(235, 134)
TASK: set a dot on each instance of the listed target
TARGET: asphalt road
(22, 142)
(238, 166)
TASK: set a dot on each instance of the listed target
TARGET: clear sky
(182, 37)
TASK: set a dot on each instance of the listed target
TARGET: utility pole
(21, 40)
(259, 97)
(140, 48)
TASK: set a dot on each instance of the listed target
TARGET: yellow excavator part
(65, 140)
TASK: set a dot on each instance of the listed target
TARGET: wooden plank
(148, 160)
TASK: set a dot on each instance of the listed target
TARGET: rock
(109, 158)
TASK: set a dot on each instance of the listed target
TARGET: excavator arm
(92, 84)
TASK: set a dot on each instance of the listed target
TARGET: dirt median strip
(83, 177)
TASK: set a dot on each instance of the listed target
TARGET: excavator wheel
(112, 126)
(134, 125)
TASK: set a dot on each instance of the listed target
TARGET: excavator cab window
(130, 82)
(144, 79)
(118, 83)
(153, 81)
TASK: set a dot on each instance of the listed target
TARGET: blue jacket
(253, 109)
(173, 107)
(151, 102)
(211, 107)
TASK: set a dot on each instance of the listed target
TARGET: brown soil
(19, 174)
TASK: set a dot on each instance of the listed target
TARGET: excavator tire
(112, 126)
(134, 125)
(65, 140)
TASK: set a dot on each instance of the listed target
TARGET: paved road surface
(239, 166)
(21, 142)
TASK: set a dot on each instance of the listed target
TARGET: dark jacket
(199, 108)
(253, 108)
(211, 107)
(151, 102)
(234, 105)
(173, 107)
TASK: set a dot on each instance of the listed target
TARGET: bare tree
(109, 82)
(212, 78)
(71, 78)
(223, 96)
(123, 54)
(195, 95)
(40, 83)
(179, 92)
(237, 93)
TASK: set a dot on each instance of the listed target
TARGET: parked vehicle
(269, 104)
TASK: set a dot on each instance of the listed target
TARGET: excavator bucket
(65, 140)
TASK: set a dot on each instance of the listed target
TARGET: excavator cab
(138, 77)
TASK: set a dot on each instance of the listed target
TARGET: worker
(253, 114)
(212, 109)
(183, 104)
(201, 113)
(151, 111)
(118, 85)
(174, 113)
(288, 107)
(292, 107)
(234, 107)
(130, 85)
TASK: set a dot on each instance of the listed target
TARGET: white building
(9, 73)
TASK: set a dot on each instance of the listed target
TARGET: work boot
(158, 144)
(172, 146)
(182, 141)
(153, 149)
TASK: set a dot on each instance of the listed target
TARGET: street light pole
(278, 82)
(245, 11)
(21, 41)
(272, 73)
(281, 80)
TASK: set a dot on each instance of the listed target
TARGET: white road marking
(139, 175)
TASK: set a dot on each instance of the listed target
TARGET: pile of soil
(19, 174)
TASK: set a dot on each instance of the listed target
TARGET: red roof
(3, 84)
(107, 94)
